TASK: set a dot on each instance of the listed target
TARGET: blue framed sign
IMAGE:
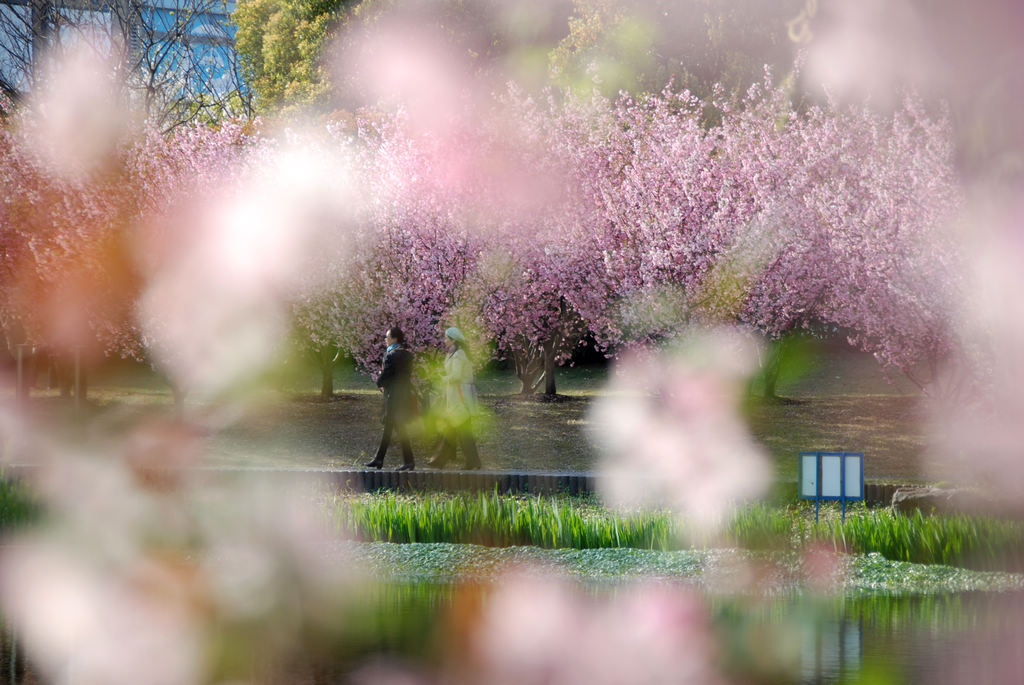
(831, 476)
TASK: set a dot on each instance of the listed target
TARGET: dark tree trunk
(771, 368)
(327, 382)
(771, 376)
(62, 375)
(549, 368)
(529, 366)
(27, 357)
(41, 18)
(82, 389)
(68, 373)
(326, 358)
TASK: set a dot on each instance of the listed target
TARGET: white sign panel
(808, 475)
(831, 475)
(853, 476)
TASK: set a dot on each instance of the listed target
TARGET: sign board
(831, 476)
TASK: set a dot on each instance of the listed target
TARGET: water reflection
(965, 638)
(830, 649)
(961, 638)
(869, 639)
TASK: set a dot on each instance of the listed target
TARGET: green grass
(499, 521)
(570, 523)
(564, 522)
(761, 527)
(968, 541)
(559, 522)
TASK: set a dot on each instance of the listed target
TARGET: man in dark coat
(395, 381)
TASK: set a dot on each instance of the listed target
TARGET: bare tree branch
(176, 58)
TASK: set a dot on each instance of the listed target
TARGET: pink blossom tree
(847, 227)
(776, 218)
(404, 263)
(897, 266)
(172, 177)
(68, 276)
(531, 296)
(542, 286)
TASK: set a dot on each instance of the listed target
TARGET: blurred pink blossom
(871, 46)
(87, 622)
(966, 54)
(938, 48)
(215, 311)
(823, 568)
(146, 570)
(975, 423)
(541, 629)
(670, 434)
(985, 651)
(76, 114)
(403, 62)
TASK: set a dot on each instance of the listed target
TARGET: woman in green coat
(461, 404)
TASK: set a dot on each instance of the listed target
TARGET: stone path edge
(454, 480)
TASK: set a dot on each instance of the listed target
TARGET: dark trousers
(463, 437)
(391, 426)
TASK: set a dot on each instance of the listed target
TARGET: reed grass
(762, 527)
(565, 522)
(500, 521)
(557, 522)
(551, 522)
(957, 540)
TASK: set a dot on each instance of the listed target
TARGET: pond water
(962, 638)
(935, 639)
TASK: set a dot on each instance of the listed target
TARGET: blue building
(183, 49)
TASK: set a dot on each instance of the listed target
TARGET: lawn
(844, 402)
